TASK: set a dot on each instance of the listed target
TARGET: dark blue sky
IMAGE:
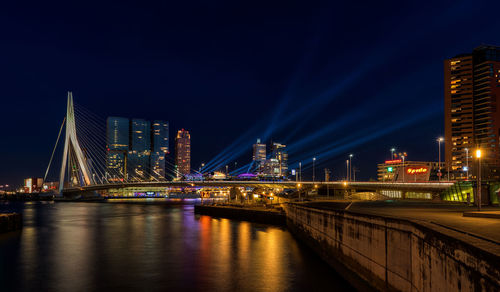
(326, 78)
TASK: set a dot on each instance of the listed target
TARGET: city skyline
(308, 98)
(250, 146)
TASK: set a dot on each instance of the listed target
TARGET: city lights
(267, 90)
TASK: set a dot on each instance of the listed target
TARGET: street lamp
(298, 186)
(478, 156)
(300, 171)
(350, 165)
(439, 140)
(347, 170)
(314, 160)
(403, 157)
(392, 153)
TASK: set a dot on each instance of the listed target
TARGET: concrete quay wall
(390, 254)
(10, 222)
(245, 214)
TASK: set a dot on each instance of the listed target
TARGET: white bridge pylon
(71, 144)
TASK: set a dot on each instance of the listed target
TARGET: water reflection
(126, 247)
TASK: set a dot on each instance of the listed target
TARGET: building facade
(279, 153)
(136, 149)
(259, 155)
(410, 171)
(33, 185)
(183, 153)
(117, 146)
(472, 115)
(274, 165)
(159, 149)
(139, 153)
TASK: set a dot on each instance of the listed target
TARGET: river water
(152, 247)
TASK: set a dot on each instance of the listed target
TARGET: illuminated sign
(416, 170)
(393, 161)
(218, 175)
(390, 169)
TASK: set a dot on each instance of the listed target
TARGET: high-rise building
(259, 155)
(279, 153)
(117, 145)
(472, 112)
(271, 168)
(183, 152)
(159, 149)
(140, 150)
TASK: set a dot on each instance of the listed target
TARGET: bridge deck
(368, 186)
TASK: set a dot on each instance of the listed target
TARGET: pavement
(448, 218)
(483, 214)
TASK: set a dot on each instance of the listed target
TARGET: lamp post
(478, 156)
(347, 170)
(300, 171)
(439, 140)
(403, 156)
(314, 160)
(350, 166)
(392, 153)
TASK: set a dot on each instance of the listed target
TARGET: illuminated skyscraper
(279, 153)
(472, 110)
(159, 149)
(117, 144)
(183, 152)
(140, 150)
(259, 155)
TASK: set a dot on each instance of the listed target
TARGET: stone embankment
(10, 222)
(252, 214)
(394, 254)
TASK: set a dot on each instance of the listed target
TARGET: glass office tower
(117, 145)
(279, 153)
(139, 151)
(159, 149)
(259, 156)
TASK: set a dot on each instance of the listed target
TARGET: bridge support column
(71, 144)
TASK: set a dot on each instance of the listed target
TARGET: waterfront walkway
(446, 218)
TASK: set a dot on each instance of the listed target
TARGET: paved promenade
(443, 217)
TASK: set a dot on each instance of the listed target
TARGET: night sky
(327, 79)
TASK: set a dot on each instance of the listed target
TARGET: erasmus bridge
(83, 168)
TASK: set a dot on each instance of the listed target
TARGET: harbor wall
(10, 222)
(245, 214)
(390, 254)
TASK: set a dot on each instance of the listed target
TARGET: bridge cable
(54, 150)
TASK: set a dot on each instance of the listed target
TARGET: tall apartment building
(472, 113)
(183, 152)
